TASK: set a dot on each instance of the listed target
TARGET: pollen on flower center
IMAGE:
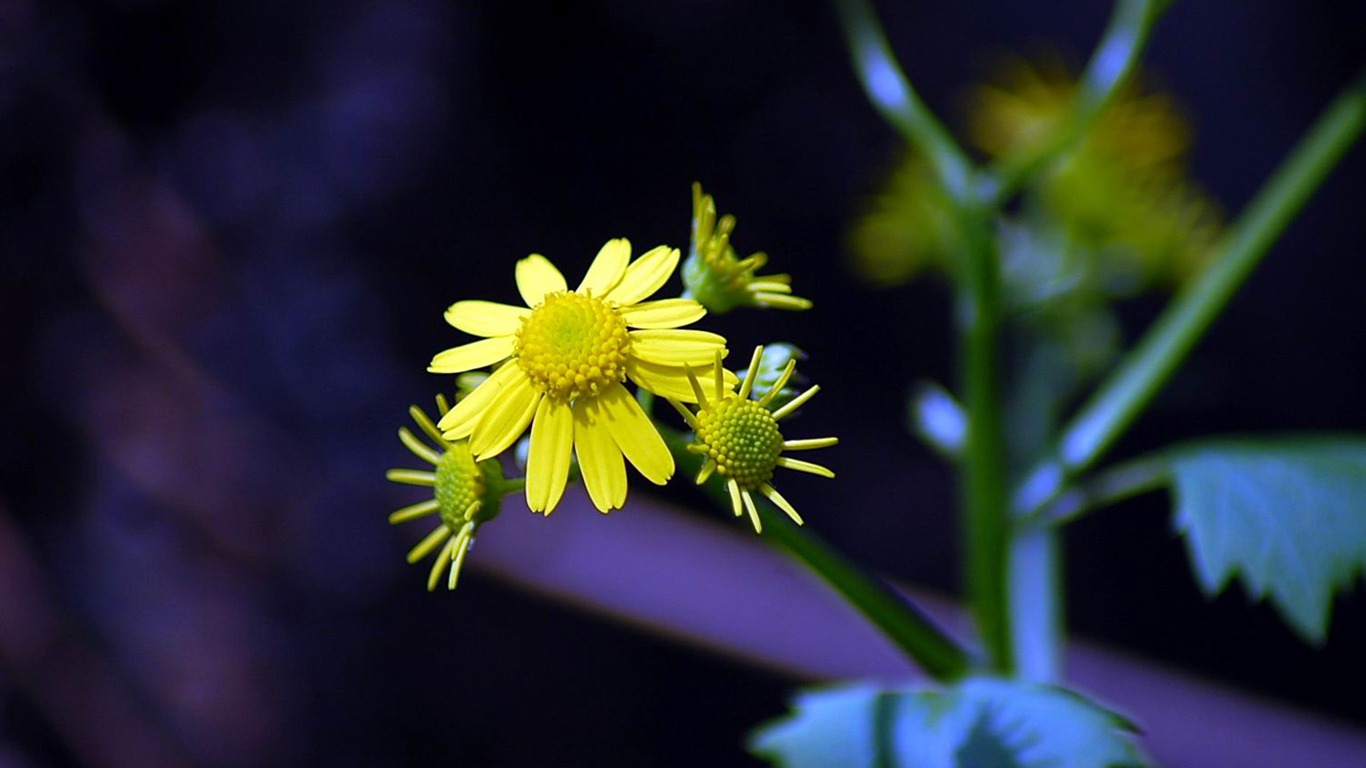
(459, 484)
(742, 437)
(573, 345)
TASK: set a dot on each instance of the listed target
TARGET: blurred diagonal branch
(1151, 364)
(75, 688)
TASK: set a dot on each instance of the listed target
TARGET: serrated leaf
(979, 723)
(834, 726)
(1287, 515)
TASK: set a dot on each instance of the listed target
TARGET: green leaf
(1287, 515)
(979, 723)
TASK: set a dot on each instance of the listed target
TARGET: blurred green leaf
(1288, 515)
(980, 723)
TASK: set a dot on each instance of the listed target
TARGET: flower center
(742, 437)
(573, 345)
(459, 483)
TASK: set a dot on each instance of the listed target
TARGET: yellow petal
(665, 313)
(536, 277)
(607, 268)
(753, 513)
(547, 464)
(486, 318)
(677, 347)
(439, 565)
(804, 466)
(668, 381)
(780, 502)
(600, 460)
(636, 435)
(477, 354)
(411, 477)
(735, 502)
(460, 420)
(414, 511)
(506, 419)
(645, 276)
(429, 543)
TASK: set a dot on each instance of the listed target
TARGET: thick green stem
(1111, 66)
(892, 95)
(1151, 364)
(983, 468)
(983, 478)
(937, 653)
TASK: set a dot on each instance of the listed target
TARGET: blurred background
(227, 234)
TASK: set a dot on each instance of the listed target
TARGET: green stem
(1115, 484)
(937, 653)
(983, 469)
(1110, 67)
(892, 95)
(1148, 367)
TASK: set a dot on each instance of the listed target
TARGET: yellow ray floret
(464, 496)
(564, 358)
(741, 439)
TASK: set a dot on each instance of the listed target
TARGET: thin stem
(1111, 65)
(937, 653)
(1149, 366)
(983, 469)
(1115, 484)
(1190, 315)
(1035, 572)
(892, 95)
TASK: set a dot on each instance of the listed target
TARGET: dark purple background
(227, 232)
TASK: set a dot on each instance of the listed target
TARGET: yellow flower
(466, 495)
(1123, 193)
(567, 354)
(741, 440)
(1142, 131)
(906, 228)
(721, 280)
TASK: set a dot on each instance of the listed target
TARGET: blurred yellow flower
(906, 228)
(741, 440)
(567, 354)
(1119, 207)
(1123, 192)
(1026, 103)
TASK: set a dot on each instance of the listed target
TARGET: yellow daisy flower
(741, 439)
(718, 278)
(567, 354)
(466, 495)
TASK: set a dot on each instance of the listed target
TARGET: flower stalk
(942, 657)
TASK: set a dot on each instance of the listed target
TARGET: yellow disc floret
(459, 485)
(742, 437)
(465, 494)
(572, 345)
